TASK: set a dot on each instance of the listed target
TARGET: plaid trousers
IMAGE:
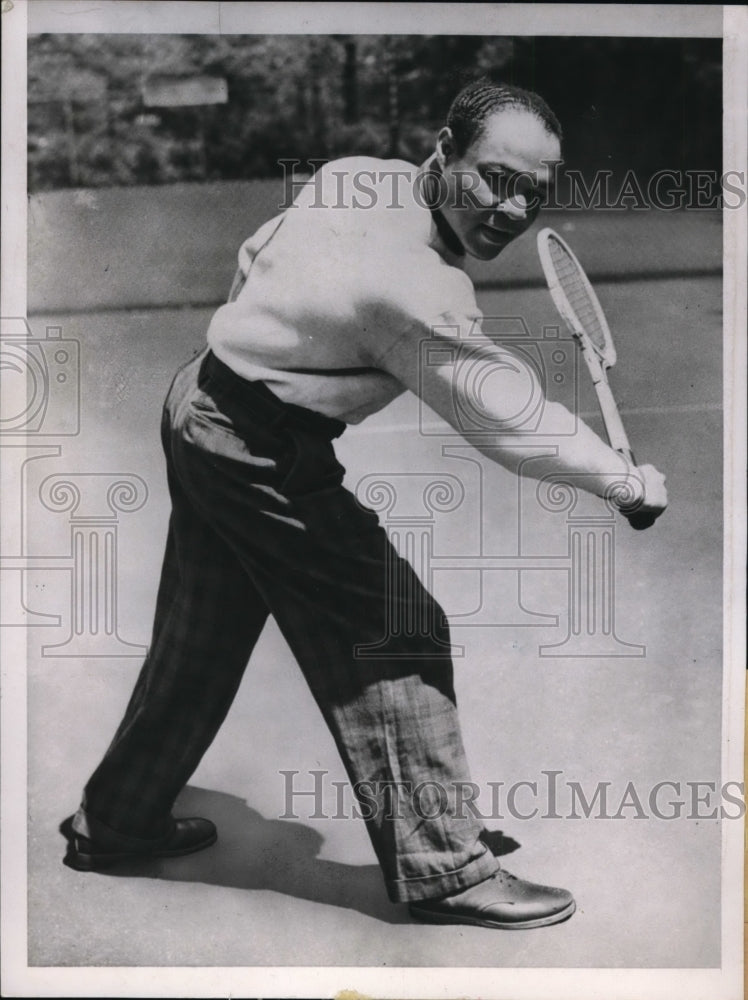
(261, 525)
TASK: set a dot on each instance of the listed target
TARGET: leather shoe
(502, 901)
(86, 854)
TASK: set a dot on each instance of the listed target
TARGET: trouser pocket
(311, 465)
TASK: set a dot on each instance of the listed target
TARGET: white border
(154, 16)
(13, 641)
(571, 19)
(735, 258)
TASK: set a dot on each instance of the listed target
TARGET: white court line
(634, 411)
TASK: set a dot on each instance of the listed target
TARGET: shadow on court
(255, 853)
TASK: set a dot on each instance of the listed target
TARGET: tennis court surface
(638, 706)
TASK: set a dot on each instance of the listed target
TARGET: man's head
(496, 155)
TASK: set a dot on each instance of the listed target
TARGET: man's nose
(514, 208)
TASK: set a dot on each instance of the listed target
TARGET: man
(324, 325)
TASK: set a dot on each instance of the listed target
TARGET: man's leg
(207, 621)
(343, 593)
(323, 566)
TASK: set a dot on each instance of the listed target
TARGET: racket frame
(597, 361)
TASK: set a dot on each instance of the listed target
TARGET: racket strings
(578, 296)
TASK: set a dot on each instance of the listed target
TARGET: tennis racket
(580, 309)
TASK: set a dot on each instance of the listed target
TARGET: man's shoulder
(363, 184)
(378, 165)
(365, 218)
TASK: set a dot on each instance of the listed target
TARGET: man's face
(493, 192)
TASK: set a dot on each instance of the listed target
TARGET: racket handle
(638, 519)
(641, 519)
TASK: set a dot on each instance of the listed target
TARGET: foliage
(642, 103)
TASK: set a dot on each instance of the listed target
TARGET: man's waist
(259, 400)
(340, 393)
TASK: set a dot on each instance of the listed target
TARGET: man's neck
(443, 237)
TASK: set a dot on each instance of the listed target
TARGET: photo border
(115, 16)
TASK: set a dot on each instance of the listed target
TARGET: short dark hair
(479, 100)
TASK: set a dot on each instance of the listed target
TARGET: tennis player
(330, 305)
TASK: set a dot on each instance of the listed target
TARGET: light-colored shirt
(341, 288)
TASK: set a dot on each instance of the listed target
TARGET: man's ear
(445, 147)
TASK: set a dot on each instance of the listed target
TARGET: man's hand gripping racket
(578, 305)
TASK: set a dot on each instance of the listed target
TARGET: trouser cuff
(104, 836)
(408, 890)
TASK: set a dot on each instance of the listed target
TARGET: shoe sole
(432, 917)
(82, 862)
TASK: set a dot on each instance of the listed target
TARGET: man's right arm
(500, 397)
